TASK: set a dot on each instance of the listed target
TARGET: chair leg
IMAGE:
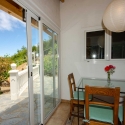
(119, 122)
(83, 112)
(86, 123)
(123, 123)
(71, 109)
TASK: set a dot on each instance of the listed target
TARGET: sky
(13, 34)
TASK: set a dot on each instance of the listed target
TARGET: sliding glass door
(41, 72)
(34, 68)
(51, 87)
(43, 89)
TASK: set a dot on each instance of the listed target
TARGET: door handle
(31, 74)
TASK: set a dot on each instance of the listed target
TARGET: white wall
(51, 8)
(77, 15)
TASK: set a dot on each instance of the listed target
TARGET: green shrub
(48, 65)
(20, 56)
(4, 68)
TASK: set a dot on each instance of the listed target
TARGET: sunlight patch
(8, 22)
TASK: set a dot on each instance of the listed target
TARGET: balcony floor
(16, 112)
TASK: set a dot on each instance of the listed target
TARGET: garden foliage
(50, 57)
(20, 57)
(4, 68)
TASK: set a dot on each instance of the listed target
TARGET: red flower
(107, 68)
(111, 66)
(110, 69)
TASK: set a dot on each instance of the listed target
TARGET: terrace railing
(19, 80)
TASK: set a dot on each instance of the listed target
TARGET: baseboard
(66, 101)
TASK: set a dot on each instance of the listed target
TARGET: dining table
(102, 83)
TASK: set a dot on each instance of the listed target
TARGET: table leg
(78, 106)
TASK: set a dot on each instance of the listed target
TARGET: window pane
(118, 45)
(51, 85)
(95, 44)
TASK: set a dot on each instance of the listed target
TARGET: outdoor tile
(11, 121)
(8, 116)
(16, 112)
(23, 122)
(24, 115)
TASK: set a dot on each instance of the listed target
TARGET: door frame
(48, 22)
(30, 15)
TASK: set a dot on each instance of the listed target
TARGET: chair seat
(100, 113)
(120, 113)
(81, 95)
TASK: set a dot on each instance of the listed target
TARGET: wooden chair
(74, 94)
(101, 113)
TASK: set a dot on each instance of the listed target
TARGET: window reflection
(95, 44)
(118, 45)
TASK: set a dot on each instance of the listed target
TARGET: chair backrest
(72, 85)
(112, 92)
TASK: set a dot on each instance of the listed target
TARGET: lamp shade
(114, 16)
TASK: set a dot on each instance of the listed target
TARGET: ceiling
(12, 8)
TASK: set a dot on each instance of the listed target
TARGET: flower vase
(109, 70)
(109, 84)
(108, 78)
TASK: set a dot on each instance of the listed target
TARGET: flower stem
(108, 77)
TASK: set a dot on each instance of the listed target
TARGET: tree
(20, 57)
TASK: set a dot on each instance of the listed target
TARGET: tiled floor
(60, 116)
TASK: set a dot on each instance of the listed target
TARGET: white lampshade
(114, 16)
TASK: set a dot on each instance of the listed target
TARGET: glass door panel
(48, 70)
(34, 68)
(56, 56)
(50, 48)
(36, 71)
(14, 105)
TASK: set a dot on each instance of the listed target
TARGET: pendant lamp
(114, 16)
